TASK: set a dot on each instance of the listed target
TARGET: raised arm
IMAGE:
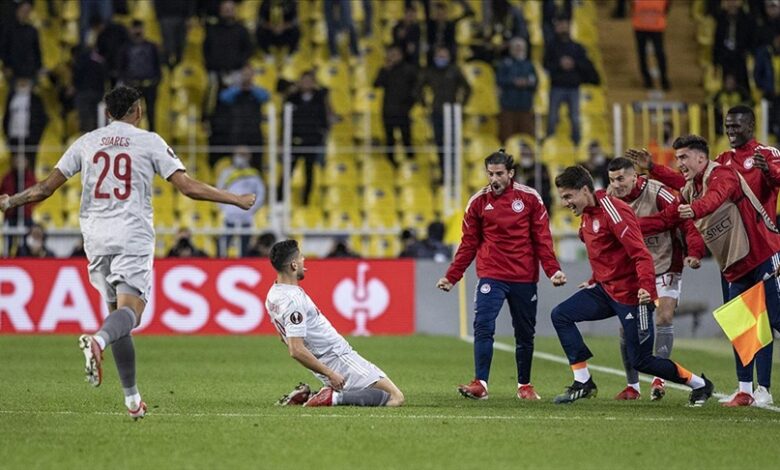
(201, 191)
(35, 193)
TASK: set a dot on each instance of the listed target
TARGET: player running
(347, 377)
(647, 197)
(117, 164)
(507, 228)
(622, 285)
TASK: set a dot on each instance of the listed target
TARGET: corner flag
(745, 321)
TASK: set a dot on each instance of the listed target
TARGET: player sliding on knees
(117, 164)
(347, 377)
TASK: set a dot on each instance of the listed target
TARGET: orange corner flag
(745, 321)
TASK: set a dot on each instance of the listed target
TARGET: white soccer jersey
(295, 315)
(117, 164)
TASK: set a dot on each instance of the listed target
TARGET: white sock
(746, 387)
(132, 402)
(696, 382)
(520, 385)
(336, 398)
(484, 384)
(635, 386)
(100, 341)
(582, 374)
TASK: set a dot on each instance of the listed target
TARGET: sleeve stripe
(529, 190)
(610, 208)
(476, 195)
(666, 195)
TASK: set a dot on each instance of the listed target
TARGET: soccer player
(760, 166)
(622, 285)
(117, 164)
(347, 377)
(507, 228)
(736, 228)
(647, 197)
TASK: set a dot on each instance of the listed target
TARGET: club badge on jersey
(518, 206)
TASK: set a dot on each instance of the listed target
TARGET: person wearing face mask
(24, 119)
(534, 174)
(597, 165)
(34, 244)
(516, 77)
(449, 85)
(240, 178)
(507, 229)
(139, 67)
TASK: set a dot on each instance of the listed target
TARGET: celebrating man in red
(736, 228)
(622, 285)
(507, 228)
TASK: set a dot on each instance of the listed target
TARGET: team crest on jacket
(485, 289)
(748, 163)
(518, 206)
(596, 226)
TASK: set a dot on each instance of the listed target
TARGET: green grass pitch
(211, 405)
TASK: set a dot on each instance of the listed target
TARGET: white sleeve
(70, 162)
(295, 318)
(164, 160)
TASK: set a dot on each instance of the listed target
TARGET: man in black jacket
(173, 15)
(398, 78)
(139, 67)
(21, 48)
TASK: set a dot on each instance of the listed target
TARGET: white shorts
(669, 285)
(106, 272)
(359, 374)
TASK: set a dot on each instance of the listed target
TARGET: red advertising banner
(208, 296)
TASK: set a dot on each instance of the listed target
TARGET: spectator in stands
(501, 22)
(597, 165)
(311, 120)
(441, 30)
(341, 249)
(449, 85)
(769, 25)
(90, 76)
(34, 244)
(240, 113)
(21, 172)
(111, 39)
(433, 246)
(398, 78)
(24, 119)
(184, 248)
(21, 47)
(368, 17)
(239, 176)
(551, 11)
(139, 67)
(533, 173)
(173, 16)
(261, 246)
(406, 35)
(91, 10)
(78, 249)
(734, 39)
(338, 17)
(410, 245)
(516, 78)
(226, 49)
(649, 22)
(277, 25)
(764, 74)
(727, 97)
(569, 67)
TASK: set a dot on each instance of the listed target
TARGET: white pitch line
(554, 417)
(607, 370)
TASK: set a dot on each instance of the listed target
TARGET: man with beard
(759, 165)
(508, 230)
(347, 377)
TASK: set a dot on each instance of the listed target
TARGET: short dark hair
(282, 254)
(500, 158)
(574, 177)
(120, 100)
(620, 163)
(742, 109)
(692, 141)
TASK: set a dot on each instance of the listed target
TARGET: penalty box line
(607, 370)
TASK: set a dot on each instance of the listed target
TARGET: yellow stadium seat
(557, 150)
(416, 220)
(376, 219)
(377, 170)
(261, 218)
(368, 101)
(307, 217)
(416, 198)
(383, 246)
(413, 173)
(340, 173)
(343, 218)
(341, 198)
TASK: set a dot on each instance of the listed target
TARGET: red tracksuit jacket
(509, 234)
(722, 185)
(765, 186)
(618, 256)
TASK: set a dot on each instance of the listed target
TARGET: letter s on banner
(174, 287)
(228, 288)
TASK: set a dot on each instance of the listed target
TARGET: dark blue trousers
(763, 359)
(489, 298)
(638, 327)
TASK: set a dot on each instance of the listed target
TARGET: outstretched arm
(201, 191)
(35, 193)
